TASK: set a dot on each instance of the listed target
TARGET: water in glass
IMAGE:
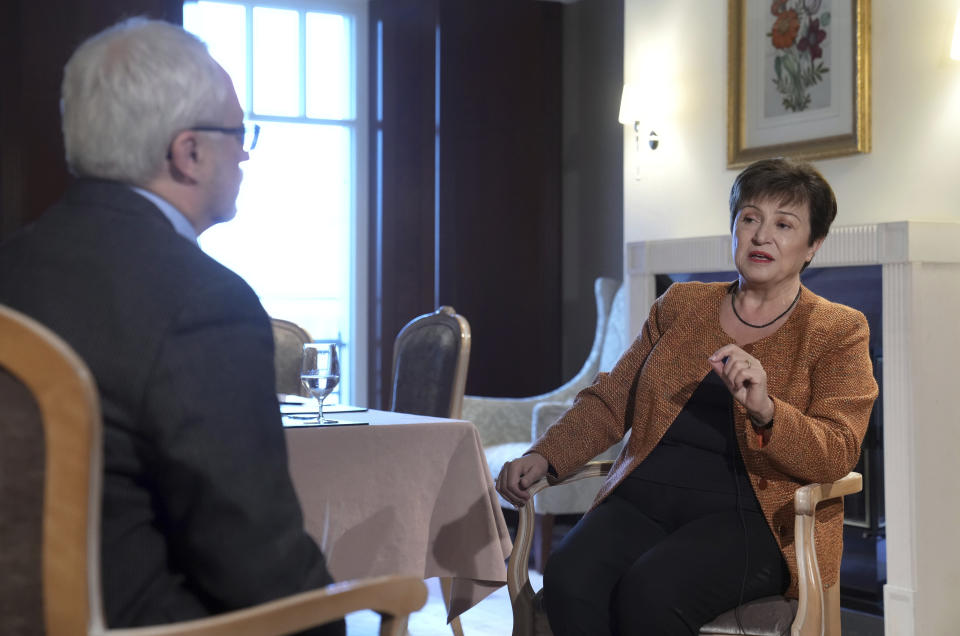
(320, 373)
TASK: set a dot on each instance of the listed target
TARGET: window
(299, 237)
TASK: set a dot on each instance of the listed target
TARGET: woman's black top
(699, 451)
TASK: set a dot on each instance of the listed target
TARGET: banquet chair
(288, 341)
(508, 426)
(430, 358)
(50, 485)
(816, 612)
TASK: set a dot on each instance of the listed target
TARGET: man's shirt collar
(180, 223)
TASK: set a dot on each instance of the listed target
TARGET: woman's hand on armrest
(518, 475)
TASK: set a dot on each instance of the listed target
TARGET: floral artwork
(798, 36)
(798, 79)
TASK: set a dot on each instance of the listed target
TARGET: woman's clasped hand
(746, 380)
(518, 475)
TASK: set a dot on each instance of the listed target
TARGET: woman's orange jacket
(820, 378)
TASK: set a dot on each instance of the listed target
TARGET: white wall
(679, 48)
(936, 340)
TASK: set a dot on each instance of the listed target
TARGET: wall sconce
(955, 48)
(632, 111)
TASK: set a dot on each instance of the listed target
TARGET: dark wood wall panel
(489, 242)
(592, 166)
(37, 40)
(500, 188)
(402, 36)
(11, 51)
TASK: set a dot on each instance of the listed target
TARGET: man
(199, 513)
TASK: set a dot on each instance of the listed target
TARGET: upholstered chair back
(50, 470)
(430, 357)
(288, 341)
(21, 509)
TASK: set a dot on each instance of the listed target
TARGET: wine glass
(320, 373)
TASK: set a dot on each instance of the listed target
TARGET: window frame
(357, 295)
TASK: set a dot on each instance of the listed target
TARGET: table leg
(446, 586)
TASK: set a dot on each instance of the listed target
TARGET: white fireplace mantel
(921, 395)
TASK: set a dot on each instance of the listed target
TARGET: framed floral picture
(798, 79)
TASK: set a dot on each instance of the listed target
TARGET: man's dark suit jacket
(199, 513)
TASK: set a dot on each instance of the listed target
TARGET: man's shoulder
(110, 221)
(93, 215)
(91, 200)
(104, 245)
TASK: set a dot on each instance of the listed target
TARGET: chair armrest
(807, 497)
(590, 469)
(544, 415)
(518, 577)
(394, 597)
(816, 605)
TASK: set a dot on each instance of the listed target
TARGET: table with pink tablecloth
(406, 494)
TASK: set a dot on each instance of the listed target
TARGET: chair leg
(542, 541)
(446, 587)
(393, 625)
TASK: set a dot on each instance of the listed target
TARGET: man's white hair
(126, 93)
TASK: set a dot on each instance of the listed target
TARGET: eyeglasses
(247, 134)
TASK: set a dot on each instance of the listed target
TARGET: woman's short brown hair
(790, 183)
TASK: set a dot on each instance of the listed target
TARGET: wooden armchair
(50, 488)
(508, 426)
(816, 613)
(431, 355)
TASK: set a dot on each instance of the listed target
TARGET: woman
(734, 395)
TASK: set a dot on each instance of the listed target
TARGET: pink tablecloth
(407, 494)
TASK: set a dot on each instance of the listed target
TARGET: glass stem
(320, 408)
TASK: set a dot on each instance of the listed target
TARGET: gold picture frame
(798, 81)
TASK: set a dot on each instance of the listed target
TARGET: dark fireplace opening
(864, 569)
